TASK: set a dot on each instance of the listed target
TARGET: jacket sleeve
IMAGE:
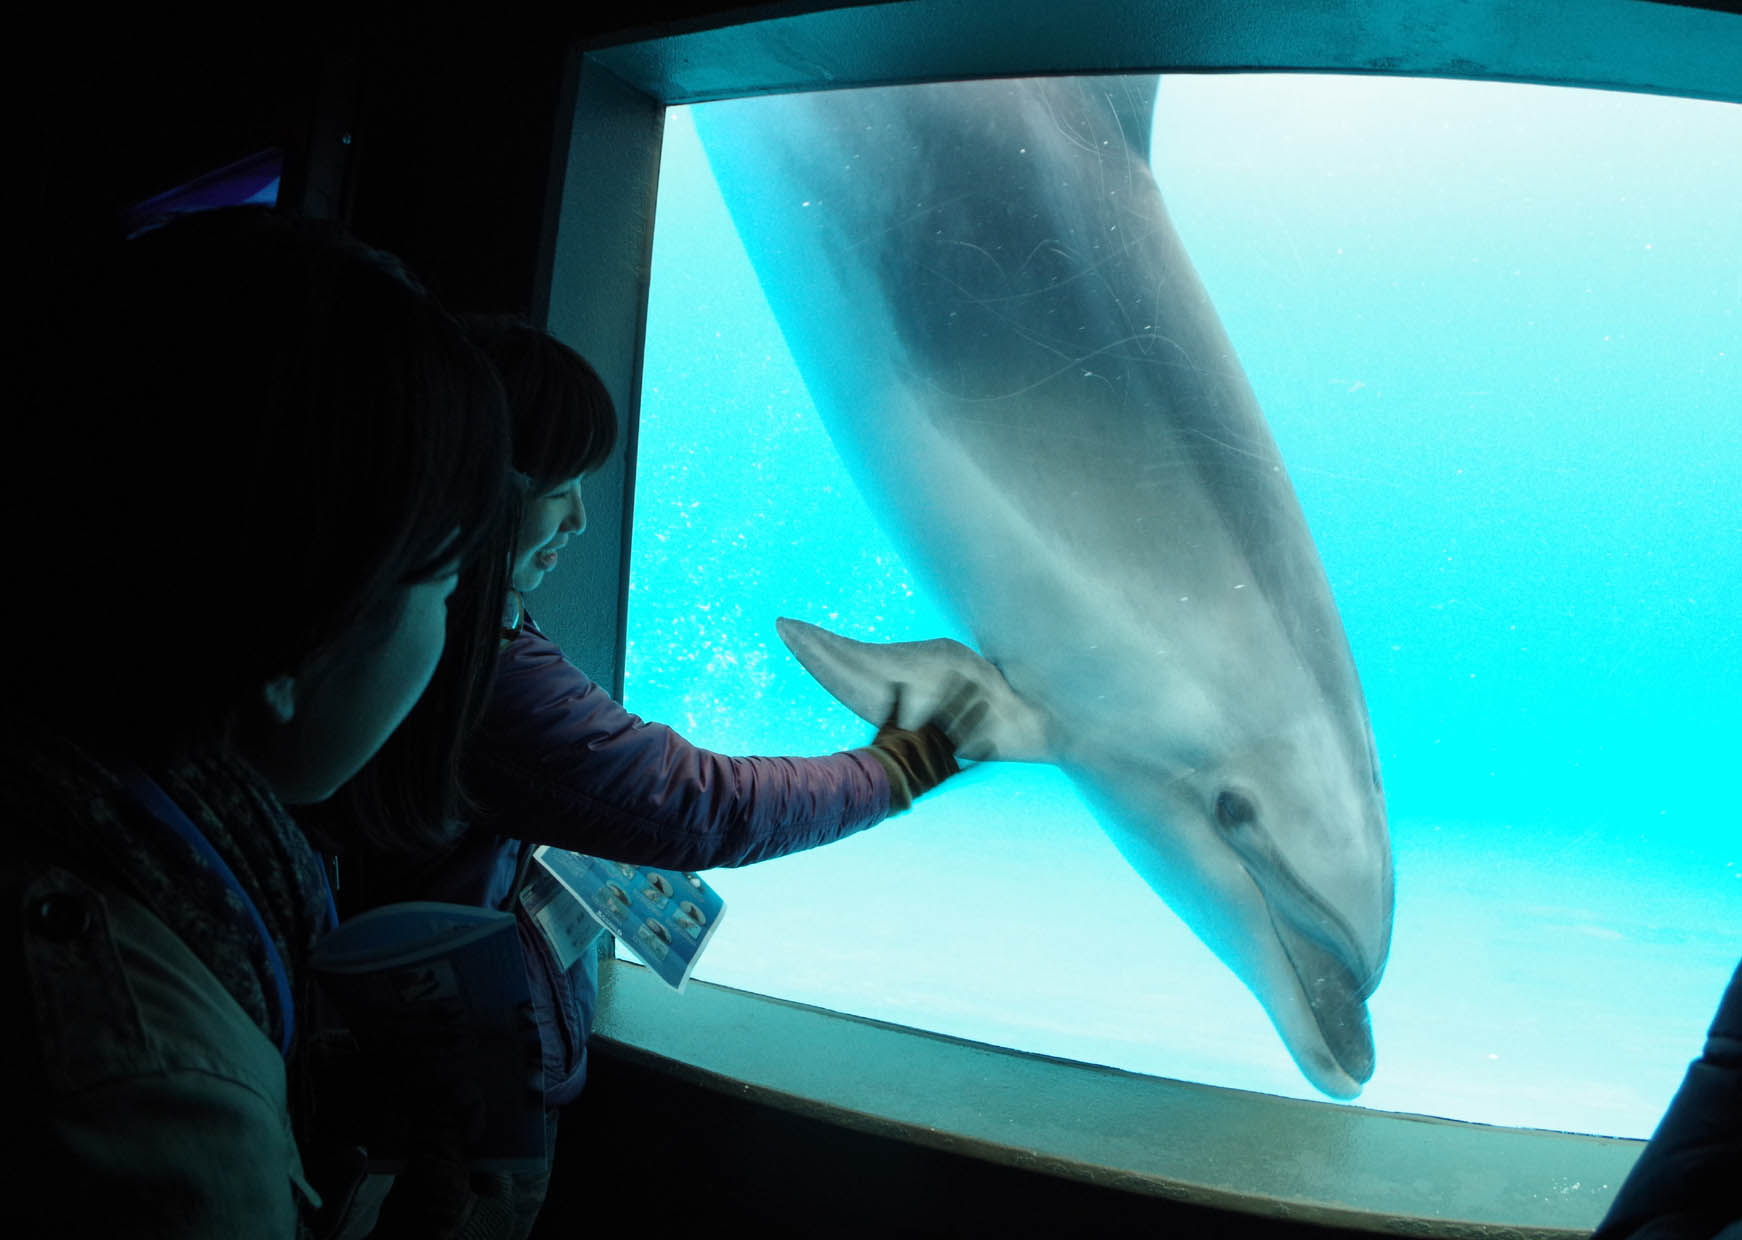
(557, 761)
(1686, 1184)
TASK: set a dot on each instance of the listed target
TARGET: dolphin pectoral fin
(862, 676)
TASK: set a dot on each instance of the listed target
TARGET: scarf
(67, 806)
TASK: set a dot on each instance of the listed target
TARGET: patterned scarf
(64, 805)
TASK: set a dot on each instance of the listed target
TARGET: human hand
(919, 759)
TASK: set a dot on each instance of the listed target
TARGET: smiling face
(550, 518)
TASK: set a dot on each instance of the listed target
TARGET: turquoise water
(1496, 332)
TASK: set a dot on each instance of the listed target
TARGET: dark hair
(249, 431)
(563, 421)
(563, 424)
(408, 802)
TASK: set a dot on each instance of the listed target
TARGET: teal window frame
(1243, 1151)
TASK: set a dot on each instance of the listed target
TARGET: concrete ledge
(1280, 1158)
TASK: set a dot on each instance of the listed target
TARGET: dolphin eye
(1235, 810)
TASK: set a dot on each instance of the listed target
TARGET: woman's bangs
(577, 440)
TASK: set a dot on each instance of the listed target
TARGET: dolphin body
(1018, 364)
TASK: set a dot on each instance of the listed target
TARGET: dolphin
(1020, 368)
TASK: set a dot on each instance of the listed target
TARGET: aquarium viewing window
(1493, 329)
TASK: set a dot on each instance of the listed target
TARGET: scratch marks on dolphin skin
(1077, 362)
(1012, 352)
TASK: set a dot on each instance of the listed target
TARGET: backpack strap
(151, 798)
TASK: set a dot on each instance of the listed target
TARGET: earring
(280, 694)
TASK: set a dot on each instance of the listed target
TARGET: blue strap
(155, 801)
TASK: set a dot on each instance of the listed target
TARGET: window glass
(1494, 330)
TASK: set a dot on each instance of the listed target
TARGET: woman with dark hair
(556, 761)
(243, 514)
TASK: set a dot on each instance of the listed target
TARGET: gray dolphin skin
(1019, 366)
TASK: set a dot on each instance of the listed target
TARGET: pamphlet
(435, 997)
(665, 917)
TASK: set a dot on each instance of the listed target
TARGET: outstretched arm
(565, 764)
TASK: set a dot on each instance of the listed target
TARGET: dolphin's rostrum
(1020, 367)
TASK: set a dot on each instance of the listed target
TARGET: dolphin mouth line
(1304, 909)
(1320, 948)
(1337, 1001)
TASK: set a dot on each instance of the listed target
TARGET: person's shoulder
(141, 1061)
(531, 652)
(99, 959)
(537, 693)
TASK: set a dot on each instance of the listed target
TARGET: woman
(260, 460)
(556, 761)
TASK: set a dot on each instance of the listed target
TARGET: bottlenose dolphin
(1019, 366)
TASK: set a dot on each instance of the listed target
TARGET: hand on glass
(919, 759)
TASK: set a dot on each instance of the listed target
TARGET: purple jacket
(557, 761)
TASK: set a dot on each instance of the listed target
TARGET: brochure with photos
(665, 917)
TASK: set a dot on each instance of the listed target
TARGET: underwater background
(1495, 330)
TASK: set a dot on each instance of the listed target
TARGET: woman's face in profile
(346, 709)
(549, 520)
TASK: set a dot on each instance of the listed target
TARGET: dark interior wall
(117, 115)
(454, 133)
(448, 165)
(449, 126)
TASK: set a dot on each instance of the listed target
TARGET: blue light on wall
(250, 181)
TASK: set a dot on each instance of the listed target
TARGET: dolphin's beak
(1324, 952)
(1336, 995)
